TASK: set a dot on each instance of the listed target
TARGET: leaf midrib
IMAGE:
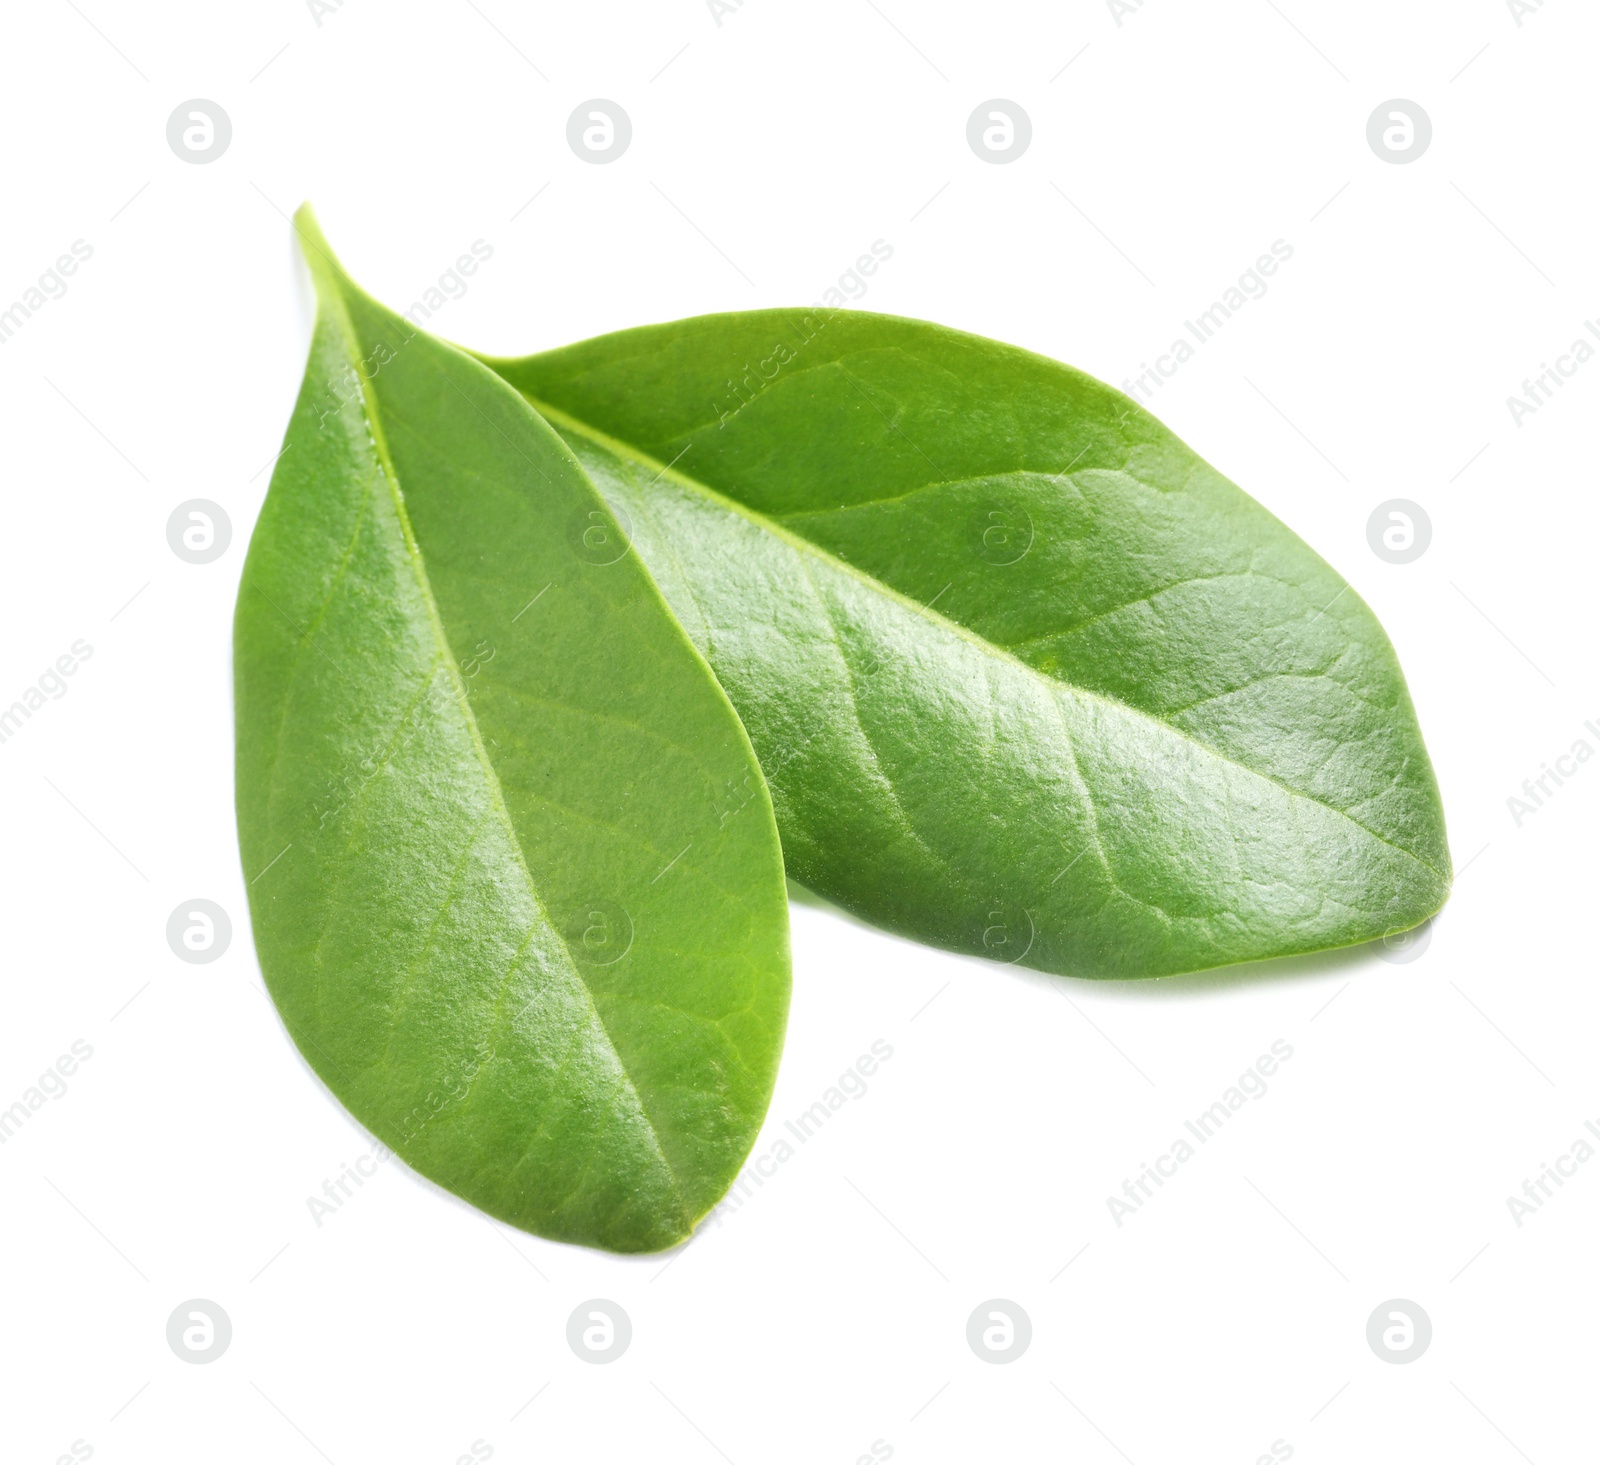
(779, 531)
(334, 295)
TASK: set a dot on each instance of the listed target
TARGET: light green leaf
(513, 872)
(1027, 678)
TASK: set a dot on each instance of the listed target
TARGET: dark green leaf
(514, 877)
(1027, 677)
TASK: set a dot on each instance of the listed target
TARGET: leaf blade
(468, 945)
(1053, 525)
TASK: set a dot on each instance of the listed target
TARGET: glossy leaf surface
(514, 878)
(1027, 677)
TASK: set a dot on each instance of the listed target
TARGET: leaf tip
(315, 247)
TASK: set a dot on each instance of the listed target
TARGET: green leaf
(1027, 678)
(514, 878)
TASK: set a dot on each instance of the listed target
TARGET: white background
(830, 1311)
